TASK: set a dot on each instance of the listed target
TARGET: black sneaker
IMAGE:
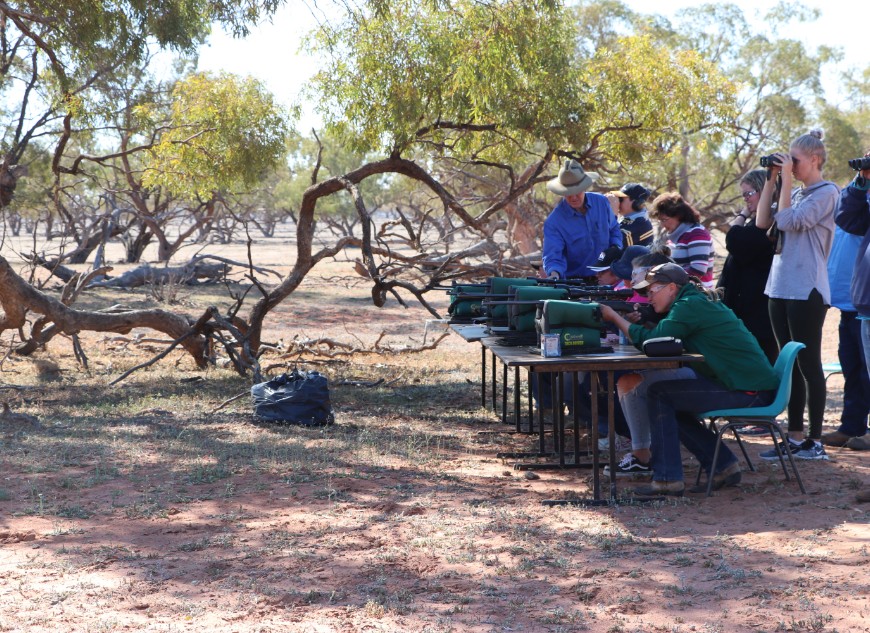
(810, 449)
(788, 445)
(629, 466)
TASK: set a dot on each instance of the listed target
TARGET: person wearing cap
(735, 373)
(637, 230)
(602, 268)
(632, 392)
(580, 227)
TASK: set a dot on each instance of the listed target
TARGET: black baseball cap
(606, 258)
(633, 191)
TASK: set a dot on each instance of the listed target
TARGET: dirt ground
(145, 507)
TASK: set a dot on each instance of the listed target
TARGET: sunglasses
(748, 194)
(654, 288)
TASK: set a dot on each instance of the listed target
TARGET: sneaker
(752, 430)
(629, 466)
(810, 449)
(771, 454)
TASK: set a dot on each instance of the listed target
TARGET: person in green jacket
(735, 373)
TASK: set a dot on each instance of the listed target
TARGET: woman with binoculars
(797, 288)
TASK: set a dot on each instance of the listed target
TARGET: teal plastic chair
(760, 416)
(831, 368)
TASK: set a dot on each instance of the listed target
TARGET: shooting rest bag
(501, 286)
(521, 317)
(465, 308)
(663, 346)
(578, 324)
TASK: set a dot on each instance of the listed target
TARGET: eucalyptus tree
(779, 96)
(499, 91)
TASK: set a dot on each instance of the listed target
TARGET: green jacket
(732, 356)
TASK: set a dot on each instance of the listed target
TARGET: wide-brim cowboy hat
(571, 179)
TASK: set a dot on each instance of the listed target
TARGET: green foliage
(397, 73)
(226, 134)
(493, 81)
(76, 34)
(842, 141)
(641, 94)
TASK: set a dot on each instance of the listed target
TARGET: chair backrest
(784, 369)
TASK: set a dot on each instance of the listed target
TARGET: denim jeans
(673, 409)
(856, 390)
(636, 408)
(865, 338)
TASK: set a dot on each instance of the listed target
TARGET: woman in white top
(797, 288)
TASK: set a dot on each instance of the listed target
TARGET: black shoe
(629, 466)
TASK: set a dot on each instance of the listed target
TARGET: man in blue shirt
(580, 227)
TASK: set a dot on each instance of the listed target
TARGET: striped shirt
(692, 248)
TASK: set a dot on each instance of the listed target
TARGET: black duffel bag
(300, 397)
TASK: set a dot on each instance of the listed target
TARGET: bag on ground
(300, 397)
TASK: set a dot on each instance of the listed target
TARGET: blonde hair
(811, 144)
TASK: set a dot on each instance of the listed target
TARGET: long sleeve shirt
(807, 228)
(732, 356)
(692, 248)
(574, 239)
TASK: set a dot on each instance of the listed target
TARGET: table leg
(611, 432)
(483, 376)
(560, 418)
(575, 398)
(494, 385)
(504, 386)
(517, 399)
(531, 402)
(596, 472)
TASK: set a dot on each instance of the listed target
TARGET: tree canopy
(491, 81)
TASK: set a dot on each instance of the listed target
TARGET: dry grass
(135, 508)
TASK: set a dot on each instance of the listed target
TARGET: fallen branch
(335, 349)
(194, 331)
(18, 298)
(230, 400)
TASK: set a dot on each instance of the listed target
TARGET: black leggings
(802, 320)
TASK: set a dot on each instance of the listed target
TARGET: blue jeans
(673, 409)
(856, 390)
(865, 338)
(636, 408)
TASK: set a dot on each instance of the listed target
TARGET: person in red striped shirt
(690, 243)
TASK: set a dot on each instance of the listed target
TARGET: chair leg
(794, 468)
(733, 427)
(712, 426)
(715, 460)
